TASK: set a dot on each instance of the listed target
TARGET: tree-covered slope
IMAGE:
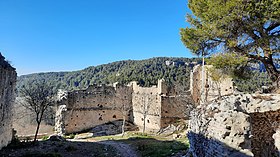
(146, 72)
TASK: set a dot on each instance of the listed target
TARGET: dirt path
(124, 149)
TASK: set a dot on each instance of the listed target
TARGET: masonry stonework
(8, 78)
(238, 125)
(211, 88)
(84, 109)
(149, 108)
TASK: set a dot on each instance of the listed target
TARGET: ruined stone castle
(8, 78)
(150, 108)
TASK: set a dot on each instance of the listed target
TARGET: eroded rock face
(7, 89)
(237, 125)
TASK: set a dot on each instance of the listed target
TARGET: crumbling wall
(144, 106)
(8, 78)
(147, 107)
(174, 108)
(211, 88)
(237, 125)
(94, 106)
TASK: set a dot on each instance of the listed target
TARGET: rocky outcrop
(8, 78)
(237, 125)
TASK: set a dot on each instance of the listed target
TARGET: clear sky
(66, 35)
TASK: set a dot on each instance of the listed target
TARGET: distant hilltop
(175, 71)
(146, 72)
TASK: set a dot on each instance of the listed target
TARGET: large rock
(8, 78)
(237, 125)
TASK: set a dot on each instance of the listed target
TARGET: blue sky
(66, 35)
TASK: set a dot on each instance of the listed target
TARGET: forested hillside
(146, 72)
(176, 71)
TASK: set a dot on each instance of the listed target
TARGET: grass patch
(71, 136)
(156, 148)
(45, 138)
(150, 145)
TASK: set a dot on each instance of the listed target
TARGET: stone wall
(211, 88)
(153, 107)
(8, 78)
(175, 107)
(237, 125)
(147, 106)
(96, 105)
(162, 105)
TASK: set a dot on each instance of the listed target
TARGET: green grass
(45, 138)
(150, 145)
(71, 136)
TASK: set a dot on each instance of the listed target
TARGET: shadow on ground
(202, 146)
(134, 146)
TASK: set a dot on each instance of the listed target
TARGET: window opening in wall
(148, 121)
(114, 116)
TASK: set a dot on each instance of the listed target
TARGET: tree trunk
(144, 124)
(38, 120)
(123, 125)
(219, 90)
(37, 130)
(273, 73)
